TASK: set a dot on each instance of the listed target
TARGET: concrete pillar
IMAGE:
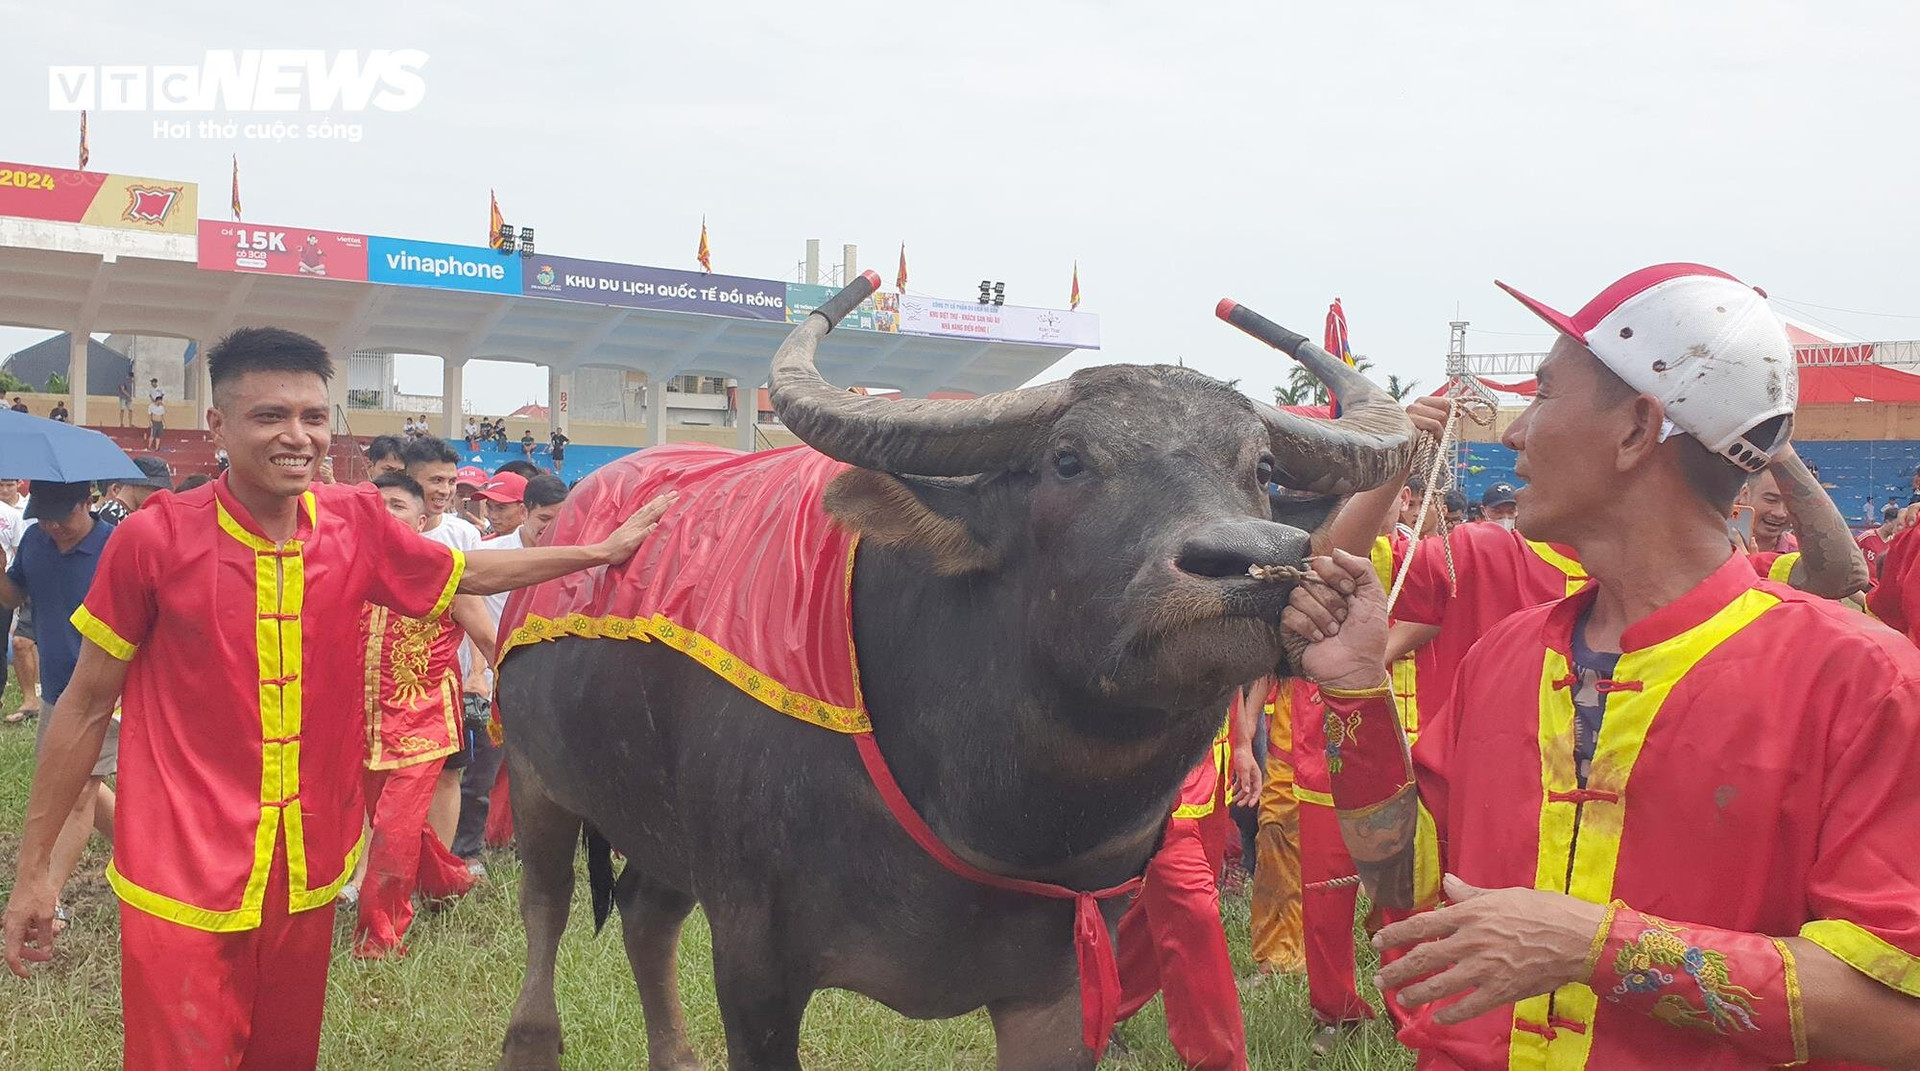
(746, 412)
(813, 261)
(656, 409)
(849, 263)
(77, 377)
(337, 386)
(203, 383)
(559, 397)
(452, 381)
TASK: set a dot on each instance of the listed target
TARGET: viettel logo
(150, 204)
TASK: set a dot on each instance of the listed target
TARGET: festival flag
(236, 187)
(900, 280)
(705, 255)
(1073, 300)
(495, 221)
(1336, 340)
(84, 154)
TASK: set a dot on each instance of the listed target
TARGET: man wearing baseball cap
(125, 496)
(1671, 815)
(1499, 505)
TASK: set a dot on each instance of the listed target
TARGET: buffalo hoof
(530, 1048)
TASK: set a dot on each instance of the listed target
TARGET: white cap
(1703, 343)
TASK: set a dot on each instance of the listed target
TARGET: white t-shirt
(12, 524)
(497, 603)
(157, 408)
(463, 537)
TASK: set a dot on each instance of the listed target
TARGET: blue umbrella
(35, 448)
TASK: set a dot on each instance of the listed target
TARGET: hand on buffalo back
(626, 539)
(1343, 620)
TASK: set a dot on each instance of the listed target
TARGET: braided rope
(1461, 402)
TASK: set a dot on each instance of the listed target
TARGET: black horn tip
(1287, 342)
(839, 305)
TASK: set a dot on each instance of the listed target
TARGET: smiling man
(1675, 809)
(222, 617)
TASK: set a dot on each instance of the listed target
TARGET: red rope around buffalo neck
(1093, 948)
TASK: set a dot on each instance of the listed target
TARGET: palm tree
(1290, 394)
(1397, 390)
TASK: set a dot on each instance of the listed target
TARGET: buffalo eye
(1264, 471)
(1068, 464)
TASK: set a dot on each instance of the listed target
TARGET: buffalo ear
(911, 513)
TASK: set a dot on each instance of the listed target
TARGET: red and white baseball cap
(470, 474)
(504, 487)
(1703, 343)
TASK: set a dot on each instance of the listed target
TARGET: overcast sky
(1399, 156)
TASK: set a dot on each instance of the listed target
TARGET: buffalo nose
(1230, 548)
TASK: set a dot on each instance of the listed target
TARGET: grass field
(446, 1004)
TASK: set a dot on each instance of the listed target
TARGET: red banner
(97, 198)
(271, 250)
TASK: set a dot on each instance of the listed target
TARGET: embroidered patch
(1338, 733)
(1727, 1007)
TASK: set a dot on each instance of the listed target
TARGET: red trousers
(1172, 940)
(499, 832)
(1327, 917)
(193, 1000)
(404, 854)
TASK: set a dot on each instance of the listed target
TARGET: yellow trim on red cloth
(1782, 567)
(279, 591)
(1588, 872)
(722, 662)
(1867, 953)
(453, 584)
(101, 633)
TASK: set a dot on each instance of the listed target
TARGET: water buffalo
(1052, 604)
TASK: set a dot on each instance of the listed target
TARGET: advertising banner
(636, 287)
(881, 312)
(949, 318)
(98, 199)
(445, 267)
(274, 250)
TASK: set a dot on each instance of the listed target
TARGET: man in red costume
(1171, 939)
(414, 721)
(219, 615)
(1666, 841)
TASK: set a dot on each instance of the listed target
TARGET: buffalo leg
(650, 918)
(546, 834)
(760, 1006)
(1040, 1037)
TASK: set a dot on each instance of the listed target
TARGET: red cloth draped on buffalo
(750, 577)
(747, 575)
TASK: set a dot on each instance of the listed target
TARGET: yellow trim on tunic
(1308, 795)
(1782, 567)
(1589, 834)
(1796, 1003)
(279, 590)
(447, 593)
(1576, 573)
(102, 633)
(1867, 953)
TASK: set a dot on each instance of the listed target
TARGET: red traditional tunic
(1498, 573)
(242, 736)
(1896, 598)
(413, 687)
(1731, 787)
